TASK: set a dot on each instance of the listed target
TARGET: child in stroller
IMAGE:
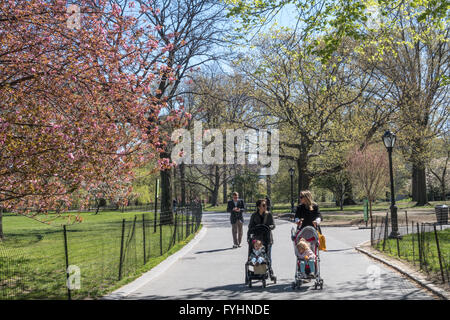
(306, 256)
(306, 242)
(258, 254)
(258, 264)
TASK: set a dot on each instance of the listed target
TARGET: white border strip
(156, 271)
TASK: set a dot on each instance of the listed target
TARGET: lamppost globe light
(389, 142)
(291, 171)
(389, 139)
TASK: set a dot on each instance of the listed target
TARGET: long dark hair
(258, 203)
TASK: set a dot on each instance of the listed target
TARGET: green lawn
(409, 250)
(32, 257)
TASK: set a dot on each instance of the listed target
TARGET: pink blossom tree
(76, 108)
(369, 172)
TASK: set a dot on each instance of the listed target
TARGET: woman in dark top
(262, 216)
(307, 213)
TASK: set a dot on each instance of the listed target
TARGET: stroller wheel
(293, 285)
(249, 283)
(264, 283)
(274, 279)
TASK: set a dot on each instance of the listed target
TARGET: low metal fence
(86, 260)
(424, 245)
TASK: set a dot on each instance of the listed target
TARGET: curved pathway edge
(155, 272)
(404, 270)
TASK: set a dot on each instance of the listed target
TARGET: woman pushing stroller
(263, 217)
(306, 241)
(307, 213)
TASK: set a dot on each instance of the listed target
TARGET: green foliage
(329, 22)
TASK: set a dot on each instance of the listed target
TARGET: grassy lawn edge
(151, 264)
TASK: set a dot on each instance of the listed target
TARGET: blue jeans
(311, 266)
(269, 252)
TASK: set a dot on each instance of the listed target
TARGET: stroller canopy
(259, 232)
(308, 233)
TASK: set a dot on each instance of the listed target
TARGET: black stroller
(262, 271)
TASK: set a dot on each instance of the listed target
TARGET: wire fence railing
(86, 260)
(424, 245)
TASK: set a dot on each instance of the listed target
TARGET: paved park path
(211, 269)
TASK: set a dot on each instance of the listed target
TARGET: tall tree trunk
(371, 222)
(269, 188)
(215, 193)
(174, 183)
(183, 183)
(443, 189)
(421, 186)
(166, 195)
(414, 193)
(97, 202)
(225, 185)
(303, 177)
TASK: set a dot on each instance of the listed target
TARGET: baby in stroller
(306, 247)
(305, 256)
(258, 254)
(258, 265)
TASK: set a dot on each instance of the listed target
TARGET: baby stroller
(262, 271)
(309, 234)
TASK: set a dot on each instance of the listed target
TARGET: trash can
(441, 214)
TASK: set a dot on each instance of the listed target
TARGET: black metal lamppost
(389, 142)
(291, 173)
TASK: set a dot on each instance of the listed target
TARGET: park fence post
(121, 249)
(160, 234)
(182, 224)
(175, 231)
(398, 247)
(187, 223)
(439, 253)
(381, 230)
(406, 217)
(419, 246)
(67, 263)
(156, 204)
(143, 236)
(386, 227)
(422, 242)
(412, 240)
